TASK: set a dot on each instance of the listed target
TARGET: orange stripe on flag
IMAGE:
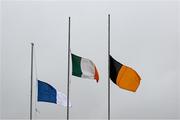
(96, 76)
(128, 79)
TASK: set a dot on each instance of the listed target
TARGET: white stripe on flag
(87, 67)
(62, 99)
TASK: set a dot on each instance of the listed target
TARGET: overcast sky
(144, 35)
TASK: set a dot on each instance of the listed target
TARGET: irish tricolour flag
(84, 68)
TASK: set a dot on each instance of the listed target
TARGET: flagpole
(31, 88)
(108, 67)
(68, 79)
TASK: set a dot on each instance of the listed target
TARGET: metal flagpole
(68, 78)
(32, 52)
(109, 67)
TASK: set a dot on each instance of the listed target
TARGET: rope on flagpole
(37, 78)
(35, 63)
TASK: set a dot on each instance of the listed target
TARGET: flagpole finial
(32, 43)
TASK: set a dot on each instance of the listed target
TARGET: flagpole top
(32, 44)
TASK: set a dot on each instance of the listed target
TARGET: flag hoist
(123, 76)
(45, 91)
(81, 67)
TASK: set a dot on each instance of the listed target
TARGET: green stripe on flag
(76, 65)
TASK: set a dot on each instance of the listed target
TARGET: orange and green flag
(84, 68)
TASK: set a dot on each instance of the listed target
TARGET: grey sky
(144, 35)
